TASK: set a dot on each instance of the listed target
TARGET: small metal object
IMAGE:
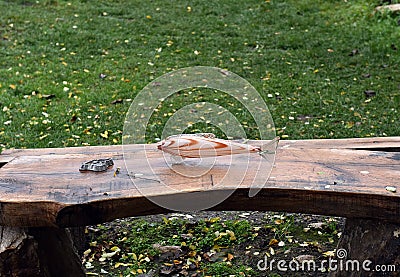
(97, 165)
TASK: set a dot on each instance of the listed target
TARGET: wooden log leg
(57, 253)
(371, 245)
(38, 252)
(79, 239)
(18, 253)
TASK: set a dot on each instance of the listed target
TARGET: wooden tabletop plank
(346, 177)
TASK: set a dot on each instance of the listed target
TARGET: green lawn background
(70, 69)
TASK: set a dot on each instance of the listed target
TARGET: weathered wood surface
(43, 187)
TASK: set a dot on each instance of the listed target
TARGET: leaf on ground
(117, 101)
(329, 254)
(47, 96)
(302, 258)
(218, 257)
(214, 219)
(316, 225)
(231, 235)
(122, 264)
(104, 135)
(167, 248)
(353, 52)
(273, 242)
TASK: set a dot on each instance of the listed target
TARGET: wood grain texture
(347, 177)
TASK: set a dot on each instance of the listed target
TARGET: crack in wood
(379, 149)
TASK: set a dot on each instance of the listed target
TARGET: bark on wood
(58, 256)
(18, 253)
(79, 239)
(366, 240)
(38, 252)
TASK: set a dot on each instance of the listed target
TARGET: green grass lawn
(70, 69)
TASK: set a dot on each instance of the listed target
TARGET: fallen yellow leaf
(273, 242)
(105, 134)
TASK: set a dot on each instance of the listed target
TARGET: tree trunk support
(38, 252)
(371, 245)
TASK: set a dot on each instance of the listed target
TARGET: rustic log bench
(42, 193)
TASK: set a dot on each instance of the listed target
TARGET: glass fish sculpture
(207, 145)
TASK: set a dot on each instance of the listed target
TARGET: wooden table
(42, 192)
